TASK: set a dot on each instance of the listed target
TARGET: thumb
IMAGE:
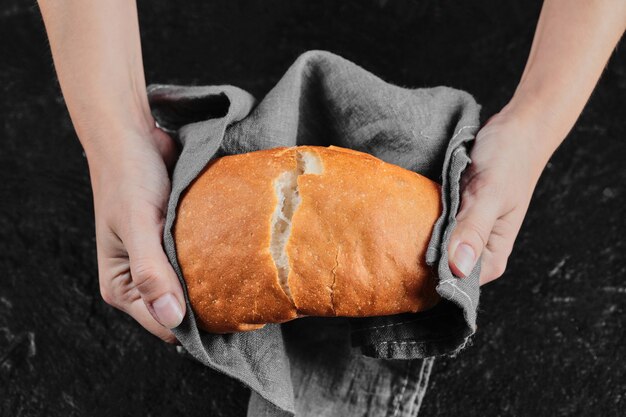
(151, 271)
(480, 208)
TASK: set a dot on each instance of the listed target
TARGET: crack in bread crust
(288, 195)
(332, 286)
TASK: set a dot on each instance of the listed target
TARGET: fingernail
(464, 258)
(168, 311)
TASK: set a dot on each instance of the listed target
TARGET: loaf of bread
(273, 235)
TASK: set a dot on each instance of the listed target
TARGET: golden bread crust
(356, 247)
(222, 236)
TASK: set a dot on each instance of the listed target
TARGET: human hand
(97, 56)
(564, 65)
(131, 188)
(496, 190)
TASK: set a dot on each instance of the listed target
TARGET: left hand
(131, 188)
(496, 191)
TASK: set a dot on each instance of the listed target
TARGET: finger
(494, 258)
(480, 208)
(500, 245)
(138, 311)
(493, 265)
(151, 271)
(120, 292)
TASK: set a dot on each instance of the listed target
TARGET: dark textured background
(551, 339)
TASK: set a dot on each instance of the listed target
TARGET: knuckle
(475, 232)
(482, 186)
(497, 269)
(145, 277)
(107, 296)
(500, 268)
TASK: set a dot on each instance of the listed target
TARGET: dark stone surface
(551, 331)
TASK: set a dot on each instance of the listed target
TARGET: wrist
(97, 118)
(109, 127)
(520, 129)
(107, 142)
(540, 123)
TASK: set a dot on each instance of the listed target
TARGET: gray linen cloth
(332, 366)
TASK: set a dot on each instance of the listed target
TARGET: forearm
(573, 41)
(97, 54)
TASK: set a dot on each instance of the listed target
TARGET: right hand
(131, 187)
(496, 191)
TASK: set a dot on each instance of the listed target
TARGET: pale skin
(97, 55)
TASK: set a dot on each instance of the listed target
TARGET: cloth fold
(321, 366)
